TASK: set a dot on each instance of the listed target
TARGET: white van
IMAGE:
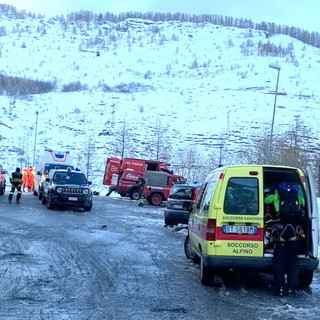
(51, 160)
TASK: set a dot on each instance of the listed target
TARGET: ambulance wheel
(305, 278)
(40, 194)
(190, 255)
(156, 199)
(206, 275)
(2, 190)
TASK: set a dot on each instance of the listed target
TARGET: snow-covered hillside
(200, 81)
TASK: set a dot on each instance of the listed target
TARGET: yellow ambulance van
(226, 228)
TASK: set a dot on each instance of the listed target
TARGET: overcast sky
(299, 13)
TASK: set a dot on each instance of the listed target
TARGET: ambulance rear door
(240, 225)
(312, 211)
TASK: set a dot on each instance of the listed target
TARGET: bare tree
(159, 145)
(294, 149)
(192, 163)
(86, 157)
(122, 144)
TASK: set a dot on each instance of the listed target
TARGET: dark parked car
(2, 181)
(180, 203)
(67, 188)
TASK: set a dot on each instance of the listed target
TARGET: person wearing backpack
(287, 231)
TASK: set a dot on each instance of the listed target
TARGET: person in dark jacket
(16, 181)
(286, 238)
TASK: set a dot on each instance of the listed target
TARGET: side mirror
(89, 182)
(47, 179)
(38, 173)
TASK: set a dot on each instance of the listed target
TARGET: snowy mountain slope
(201, 81)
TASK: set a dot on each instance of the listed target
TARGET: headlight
(85, 191)
(59, 189)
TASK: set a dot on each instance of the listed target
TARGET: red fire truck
(121, 175)
(158, 185)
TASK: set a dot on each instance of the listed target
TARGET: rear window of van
(182, 192)
(242, 196)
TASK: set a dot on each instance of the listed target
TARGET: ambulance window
(207, 196)
(242, 196)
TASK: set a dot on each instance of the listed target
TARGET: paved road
(119, 262)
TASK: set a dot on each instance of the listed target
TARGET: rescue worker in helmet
(16, 181)
(287, 231)
(24, 179)
(31, 172)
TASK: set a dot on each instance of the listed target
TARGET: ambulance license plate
(177, 206)
(234, 229)
(73, 199)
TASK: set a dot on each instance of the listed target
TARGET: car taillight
(211, 230)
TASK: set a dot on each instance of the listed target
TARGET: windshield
(69, 178)
(48, 167)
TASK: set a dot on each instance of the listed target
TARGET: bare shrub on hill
(74, 86)
(15, 86)
(126, 87)
(3, 31)
(269, 49)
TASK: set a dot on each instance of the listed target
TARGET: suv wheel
(40, 194)
(305, 278)
(87, 208)
(168, 222)
(43, 200)
(49, 202)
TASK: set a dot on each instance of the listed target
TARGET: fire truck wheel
(156, 199)
(135, 194)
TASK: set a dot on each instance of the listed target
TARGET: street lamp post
(269, 156)
(35, 138)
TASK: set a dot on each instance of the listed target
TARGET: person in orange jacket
(31, 172)
(24, 179)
